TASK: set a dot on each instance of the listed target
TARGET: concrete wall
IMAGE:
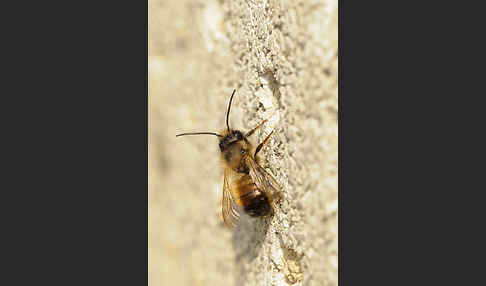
(281, 56)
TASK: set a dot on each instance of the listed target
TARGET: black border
(79, 198)
(372, 207)
(402, 77)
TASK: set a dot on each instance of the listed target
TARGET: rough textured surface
(281, 56)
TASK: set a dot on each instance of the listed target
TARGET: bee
(246, 185)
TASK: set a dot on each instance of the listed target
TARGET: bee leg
(260, 146)
(254, 129)
(278, 197)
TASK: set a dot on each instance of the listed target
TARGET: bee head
(234, 147)
(228, 140)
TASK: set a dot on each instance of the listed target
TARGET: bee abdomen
(256, 204)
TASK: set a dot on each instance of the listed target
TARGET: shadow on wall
(248, 238)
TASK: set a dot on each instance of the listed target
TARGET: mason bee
(246, 184)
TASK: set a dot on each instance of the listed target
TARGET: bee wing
(262, 178)
(229, 207)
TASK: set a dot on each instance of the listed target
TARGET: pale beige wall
(199, 51)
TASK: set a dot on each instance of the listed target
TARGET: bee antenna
(199, 133)
(229, 107)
